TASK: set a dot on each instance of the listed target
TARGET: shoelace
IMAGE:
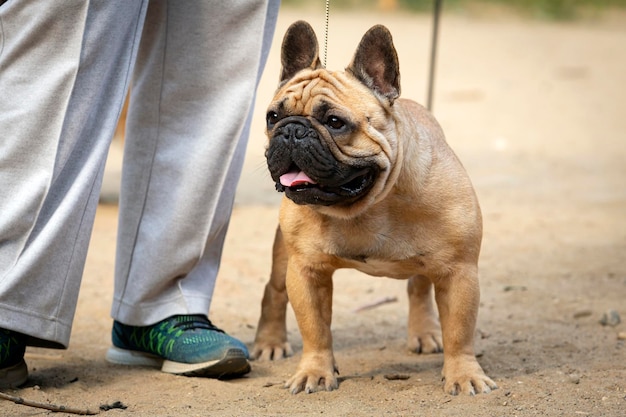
(195, 322)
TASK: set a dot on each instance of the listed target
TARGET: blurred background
(543, 9)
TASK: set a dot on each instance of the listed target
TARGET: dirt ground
(536, 112)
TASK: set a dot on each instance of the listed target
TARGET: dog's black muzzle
(295, 145)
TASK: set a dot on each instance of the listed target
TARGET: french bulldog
(370, 183)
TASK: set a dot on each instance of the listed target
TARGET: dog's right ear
(299, 50)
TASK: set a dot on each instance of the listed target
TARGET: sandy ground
(535, 110)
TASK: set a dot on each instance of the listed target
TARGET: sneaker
(13, 370)
(184, 345)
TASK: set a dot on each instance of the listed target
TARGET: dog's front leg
(310, 291)
(457, 297)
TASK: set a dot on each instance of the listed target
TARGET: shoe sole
(232, 365)
(128, 357)
(14, 376)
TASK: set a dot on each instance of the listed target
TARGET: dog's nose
(297, 131)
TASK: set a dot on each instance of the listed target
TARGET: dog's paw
(424, 332)
(271, 351)
(469, 384)
(312, 382)
(426, 342)
(467, 377)
(314, 375)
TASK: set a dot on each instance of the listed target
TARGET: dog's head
(332, 136)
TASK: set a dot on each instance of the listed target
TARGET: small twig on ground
(51, 407)
(271, 384)
(384, 300)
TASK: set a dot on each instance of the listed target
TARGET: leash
(326, 32)
(433, 48)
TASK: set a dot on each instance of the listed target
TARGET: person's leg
(188, 123)
(64, 72)
(195, 83)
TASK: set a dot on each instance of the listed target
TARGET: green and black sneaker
(13, 370)
(184, 345)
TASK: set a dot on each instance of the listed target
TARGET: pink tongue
(293, 178)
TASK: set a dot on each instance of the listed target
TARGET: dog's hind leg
(271, 335)
(424, 335)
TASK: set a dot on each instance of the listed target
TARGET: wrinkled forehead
(315, 91)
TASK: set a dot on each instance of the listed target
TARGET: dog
(371, 184)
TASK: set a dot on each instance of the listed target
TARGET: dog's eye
(271, 118)
(335, 122)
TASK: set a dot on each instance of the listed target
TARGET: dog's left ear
(375, 63)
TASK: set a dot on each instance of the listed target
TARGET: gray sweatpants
(65, 68)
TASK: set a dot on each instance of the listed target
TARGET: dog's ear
(375, 63)
(299, 50)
